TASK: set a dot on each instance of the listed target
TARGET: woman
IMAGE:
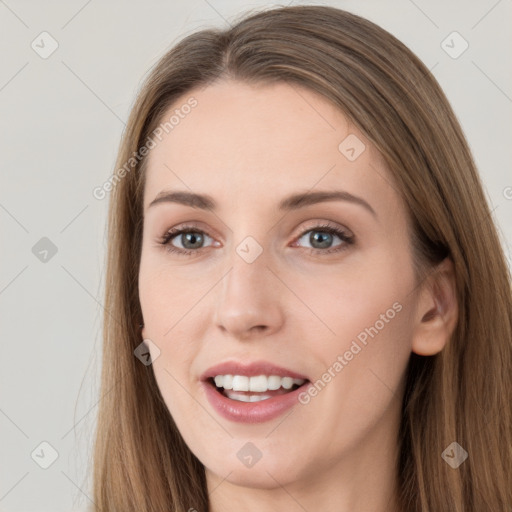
(369, 369)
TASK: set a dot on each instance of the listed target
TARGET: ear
(143, 332)
(436, 311)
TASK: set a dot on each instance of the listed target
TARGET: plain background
(61, 119)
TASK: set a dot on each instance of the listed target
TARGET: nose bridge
(247, 298)
(246, 276)
(249, 257)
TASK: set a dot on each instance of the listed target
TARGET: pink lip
(250, 412)
(250, 370)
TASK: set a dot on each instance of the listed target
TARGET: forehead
(247, 142)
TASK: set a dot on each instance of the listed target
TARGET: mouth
(256, 388)
(252, 392)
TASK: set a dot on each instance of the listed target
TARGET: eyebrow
(293, 202)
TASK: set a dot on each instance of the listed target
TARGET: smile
(252, 391)
(256, 388)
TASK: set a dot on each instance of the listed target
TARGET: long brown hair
(463, 394)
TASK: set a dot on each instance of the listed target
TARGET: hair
(462, 394)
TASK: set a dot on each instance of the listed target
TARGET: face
(319, 288)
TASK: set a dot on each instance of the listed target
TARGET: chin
(257, 477)
(270, 471)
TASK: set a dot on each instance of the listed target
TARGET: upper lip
(251, 369)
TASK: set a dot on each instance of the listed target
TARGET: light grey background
(61, 119)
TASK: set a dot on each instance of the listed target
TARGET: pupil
(193, 237)
(321, 237)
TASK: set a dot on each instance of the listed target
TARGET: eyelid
(312, 224)
(318, 223)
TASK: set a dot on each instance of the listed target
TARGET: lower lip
(251, 412)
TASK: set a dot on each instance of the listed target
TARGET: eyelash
(323, 228)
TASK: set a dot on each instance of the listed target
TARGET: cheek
(361, 367)
(168, 295)
(170, 319)
(371, 342)
(356, 298)
(172, 371)
(365, 319)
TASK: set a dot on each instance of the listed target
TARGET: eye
(190, 237)
(321, 238)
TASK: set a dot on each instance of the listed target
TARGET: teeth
(228, 382)
(240, 383)
(246, 398)
(287, 382)
(274, 382)
(258, 384)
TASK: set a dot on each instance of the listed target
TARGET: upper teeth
(259, 383)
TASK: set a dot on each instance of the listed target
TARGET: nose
(249, 300)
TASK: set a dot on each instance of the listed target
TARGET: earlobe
(437, 311)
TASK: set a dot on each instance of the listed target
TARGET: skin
(248, 147)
